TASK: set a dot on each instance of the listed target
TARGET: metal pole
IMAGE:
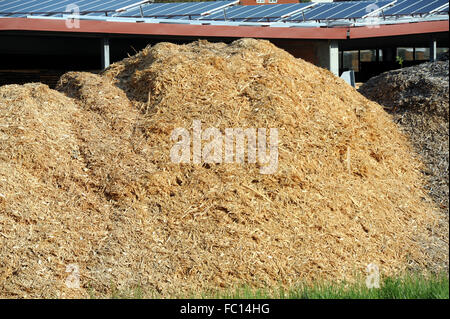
(433, 50)
(105, 53)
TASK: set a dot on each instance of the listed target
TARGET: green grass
(412, 286)
(405, 287)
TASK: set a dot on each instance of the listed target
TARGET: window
(422, 54)
(368, 55)
(350, 60)
(273, 1)
(260, 1)
(407, 54)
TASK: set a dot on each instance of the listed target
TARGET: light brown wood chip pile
(86, 178)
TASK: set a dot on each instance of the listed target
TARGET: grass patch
(411, 286)
(405, 287)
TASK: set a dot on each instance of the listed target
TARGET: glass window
(350, 60)
(422, 54)
(368, 55)
(407, 54)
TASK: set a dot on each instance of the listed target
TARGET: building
(40, 42)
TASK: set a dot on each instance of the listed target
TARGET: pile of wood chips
(86, 179)
(417, 97)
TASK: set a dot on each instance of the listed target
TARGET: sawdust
(86, 178)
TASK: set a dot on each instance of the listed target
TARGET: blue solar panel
(410, 7)
(178, 10)
(25, 7)
(340, 10)
(256, 13)
(223, 10)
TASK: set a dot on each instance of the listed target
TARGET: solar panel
(444, 9)
(338, 10)
(410, 7)
(267, 13)
(57, 7)
(178, 10)
(224, 10)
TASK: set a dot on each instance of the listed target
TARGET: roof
(338, 20)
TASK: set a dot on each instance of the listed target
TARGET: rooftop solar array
(228, 10)
(340, 10)
(17, 8)
(409, 7)
(181, 10)
(256, 13)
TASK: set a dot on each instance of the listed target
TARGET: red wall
(253, 2)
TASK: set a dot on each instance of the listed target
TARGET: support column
(105, 53)
(327, 55)
(433, 50)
